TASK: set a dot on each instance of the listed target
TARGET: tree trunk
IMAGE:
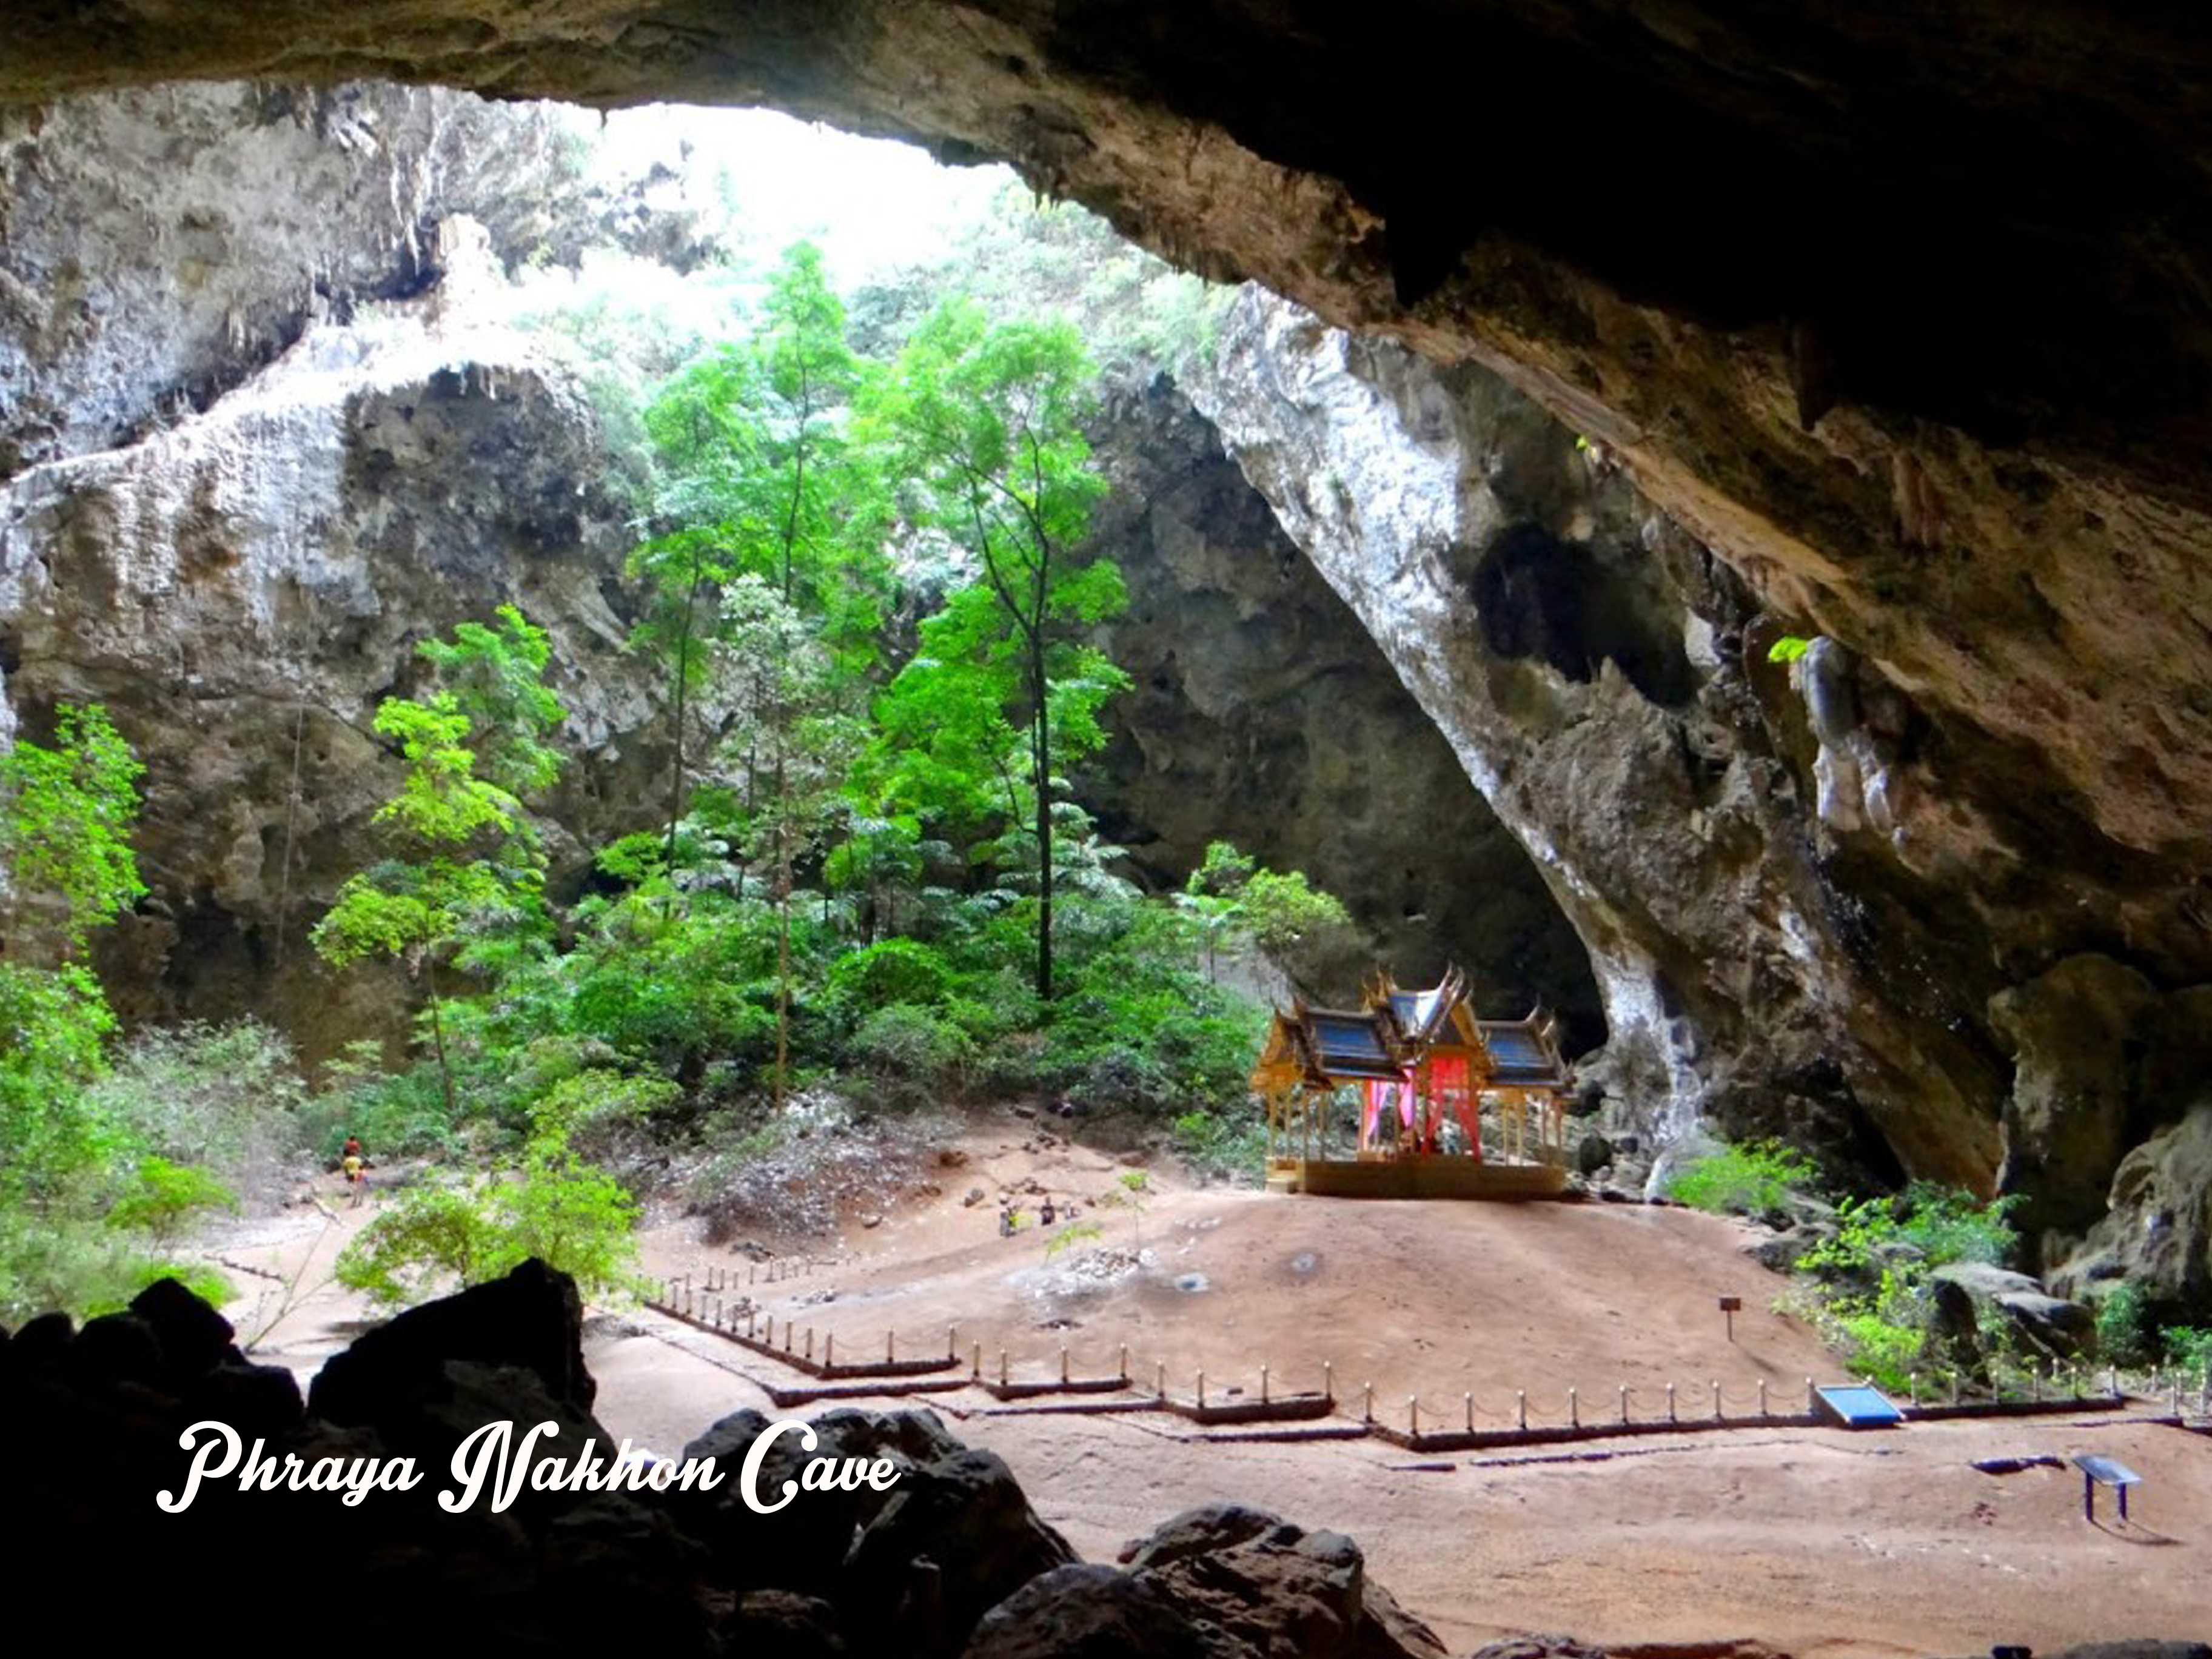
(783, 929)
(438, 1042)
(675, 782)
(1041, 762)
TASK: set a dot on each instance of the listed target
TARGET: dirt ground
(1811, 1542)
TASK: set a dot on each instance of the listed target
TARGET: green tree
(553, 1204)
(66, 868)
(988, 422)
(761, 482)
(65, 818)
(464, 861)
(497, 678)
(1305, 930)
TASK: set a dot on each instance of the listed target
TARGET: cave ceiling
(1908, 315)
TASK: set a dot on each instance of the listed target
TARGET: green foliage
(162, 1197)
(891, 970)
(495, 677)
(1305, 931)
(1867, 1288)
(1005, 691)
(54, 1025)
(1755, 1178)
(2189, 1347)
(65, 818)
(438, 1234)
(917, 1048)
(2123, 1330)
(1138, 1030)
(1929, 1226)
(1883, 1337)
(1789, 648)
(466, 883)
(1067, 1237)
(81, 1195)
(225, 1098)
(553, 1204)
(400, 1114)
(1227, 1144)
(1138, 314)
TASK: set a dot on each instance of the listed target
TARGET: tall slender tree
(988, 424)
(765, 486)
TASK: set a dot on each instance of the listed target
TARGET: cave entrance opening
(549, 266)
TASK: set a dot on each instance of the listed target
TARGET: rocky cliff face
(1261, 711)
(1811, 907)
(241, 589)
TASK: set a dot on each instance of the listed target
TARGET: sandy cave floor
(1809, 1541)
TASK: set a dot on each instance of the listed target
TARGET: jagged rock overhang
(1986, 215)
(1900, 314)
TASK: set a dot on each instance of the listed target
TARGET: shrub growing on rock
(1755, 1178)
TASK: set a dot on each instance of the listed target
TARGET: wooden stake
(1574, 1411)
(1468, 1399)
(1520, 1407)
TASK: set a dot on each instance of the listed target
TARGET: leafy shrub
(891, 970)
(1948, 1223)
(554, 1206)
(2189, 1346)
(2124, 1332)
(1752, 1178)
(1883, 1350)
(226, 1097)
(436, 1234)
(1867, 1289)
(163, 1196)
(1926, 1226)
(1067, 1237)
(396, 1113)
(1228, 1146)
(916, 1051)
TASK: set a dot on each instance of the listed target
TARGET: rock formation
(1262, 711)
(242, 588)
(1812, 907)
(951, 1550)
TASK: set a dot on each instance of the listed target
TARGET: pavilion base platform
(1438, 1177)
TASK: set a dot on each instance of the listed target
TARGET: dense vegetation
(1868, 1278)
(94, 1183)
(863, 580)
